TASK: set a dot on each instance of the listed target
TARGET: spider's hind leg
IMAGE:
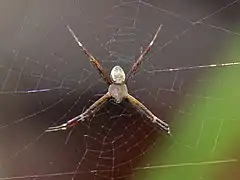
(67, 125)
(151, 117)
(91, 111)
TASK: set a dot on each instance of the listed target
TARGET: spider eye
(117, 75)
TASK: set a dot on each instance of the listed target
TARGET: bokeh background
(190, 79)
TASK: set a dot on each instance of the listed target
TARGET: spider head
(117, 75)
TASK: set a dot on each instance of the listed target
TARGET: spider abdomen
(118, 92)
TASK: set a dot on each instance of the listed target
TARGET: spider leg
(94, 61)
(142, 55)
(142, 109)
(91, 111)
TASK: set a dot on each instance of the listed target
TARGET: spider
(117, 90)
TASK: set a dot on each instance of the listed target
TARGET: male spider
(117, 90)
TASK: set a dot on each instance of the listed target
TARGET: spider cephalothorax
(117, 90)
(118, 75)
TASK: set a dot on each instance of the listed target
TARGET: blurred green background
(212, 153)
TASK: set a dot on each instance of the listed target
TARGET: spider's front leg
(142, 55)
(142, 109)
(91, 111)
(93, 60)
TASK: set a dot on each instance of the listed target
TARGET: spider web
(45, 79)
